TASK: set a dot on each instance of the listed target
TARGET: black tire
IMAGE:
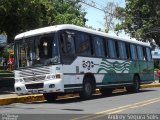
(106, 91)
(88, 89)
(136, 85)
(50, 97)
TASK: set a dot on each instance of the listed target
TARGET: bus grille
(34, 74)
(34, 71)
(35, 78)
(34, 86)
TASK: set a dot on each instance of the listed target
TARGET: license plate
(35, 91)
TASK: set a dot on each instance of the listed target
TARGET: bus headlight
(50, 77)
(16, 80)
(19, 80)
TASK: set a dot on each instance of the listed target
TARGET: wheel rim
(136, 83)
(88, 88)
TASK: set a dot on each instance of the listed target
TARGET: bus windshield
(36, 51)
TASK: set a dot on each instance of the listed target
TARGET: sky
(96, 17)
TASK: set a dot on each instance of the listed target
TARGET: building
(156, 57)
(3, 40)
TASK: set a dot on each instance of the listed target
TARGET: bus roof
(55, 28)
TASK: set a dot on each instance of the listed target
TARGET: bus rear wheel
(136, 85)
(88, 89)
(50, 97)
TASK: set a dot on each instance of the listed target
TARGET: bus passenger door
(68, 55)
(67, 46)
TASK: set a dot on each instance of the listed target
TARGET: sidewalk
(7, 93)
(9, 96)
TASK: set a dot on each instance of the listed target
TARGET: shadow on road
(76, 98)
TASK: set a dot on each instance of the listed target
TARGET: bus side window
(68, 42)
(148, 53)
(133, 52)
(99, 46)
(112, 49)
(145, 54)
(117, 49)
(128, 51)
(84, 47)
(106, 47)
(122, 50)
(140, 53)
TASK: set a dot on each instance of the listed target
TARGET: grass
(5, 73)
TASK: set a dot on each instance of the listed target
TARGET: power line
(82, 1)
(97, 3)
(91, 5)
(102, 10)
(102, 3)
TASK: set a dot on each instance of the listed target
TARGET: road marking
(119, 109)
(149, 103)
(133, 104)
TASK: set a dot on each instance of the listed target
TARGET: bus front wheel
(88, 89)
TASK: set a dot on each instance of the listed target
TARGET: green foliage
(4, 52)
(140, 18)
(17, 16)
(6, 75)
(1, 52)
(5, 72)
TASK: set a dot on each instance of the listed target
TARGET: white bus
(68, 58)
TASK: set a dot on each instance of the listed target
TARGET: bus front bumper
(49, 86)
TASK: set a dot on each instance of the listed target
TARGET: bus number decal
(88, 64)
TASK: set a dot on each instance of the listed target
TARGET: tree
(18, 16)
(140, 18)
(69, 11)
(110, 12)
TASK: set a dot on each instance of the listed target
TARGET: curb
(39, 97)
(150, 85)
(22, 99)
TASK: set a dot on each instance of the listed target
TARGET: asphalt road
(118, 106)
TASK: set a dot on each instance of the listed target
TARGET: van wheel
(106, 91)
(136, 85)
(88, 89)
(50, 97)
